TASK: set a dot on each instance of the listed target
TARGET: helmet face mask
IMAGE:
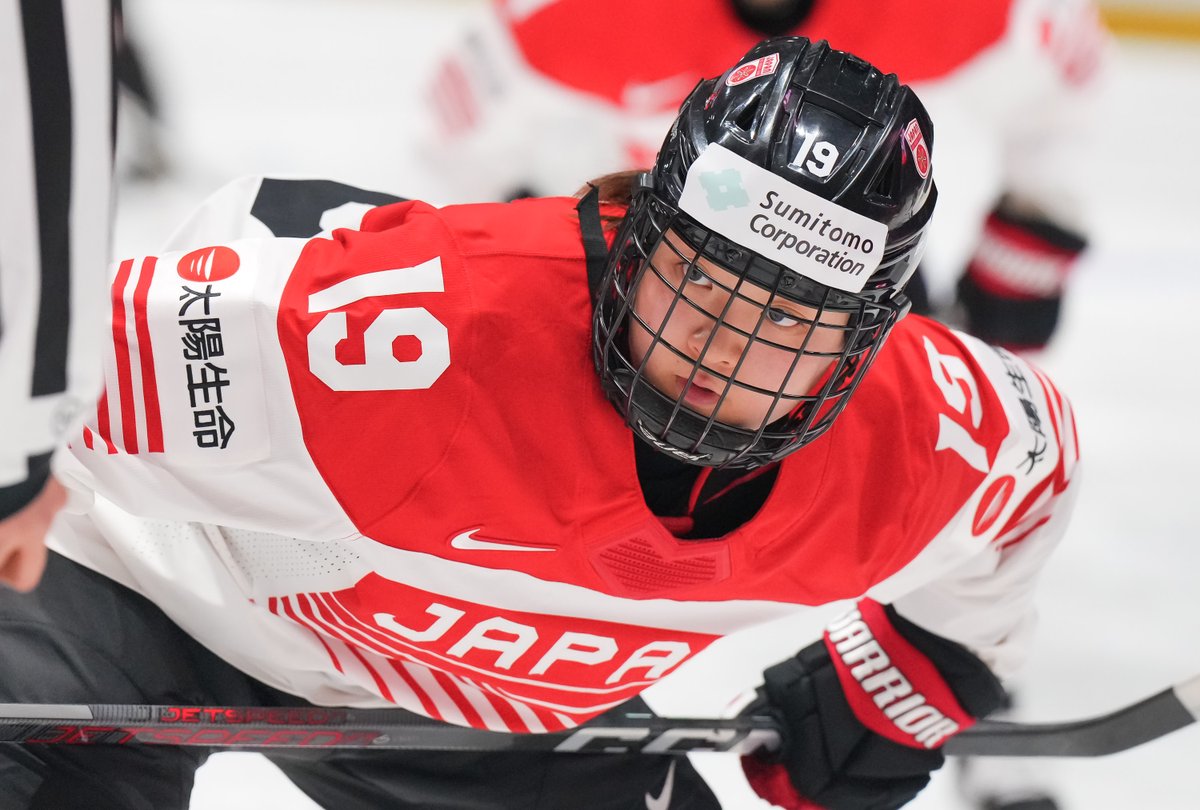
(715, 368)
(760, 266)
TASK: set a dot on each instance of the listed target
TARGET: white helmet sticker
(781, 221)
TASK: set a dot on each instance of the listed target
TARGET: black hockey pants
(81, 638)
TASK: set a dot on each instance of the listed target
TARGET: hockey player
(1010, 83)
(376, 466)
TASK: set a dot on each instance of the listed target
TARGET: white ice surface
(324, 89)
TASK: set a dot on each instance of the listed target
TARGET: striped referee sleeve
(56, 146)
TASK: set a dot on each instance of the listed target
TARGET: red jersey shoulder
(546, 227)
(653, 65)
(928, 425)
(365, 326)
(946, 439)
(977, 423)
(408, 343)
(914, 446)
(945, 404)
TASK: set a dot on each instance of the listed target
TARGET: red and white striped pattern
(1075, 38)
(453, 98)
(129, 416)
(420, 681)
(1038, 506)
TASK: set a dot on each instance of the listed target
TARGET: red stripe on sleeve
(121, 345)
(102, 424)
(154, 431)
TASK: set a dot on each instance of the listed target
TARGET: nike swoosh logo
(663, 800)
(465, 541)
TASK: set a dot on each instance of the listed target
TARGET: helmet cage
(667, 421)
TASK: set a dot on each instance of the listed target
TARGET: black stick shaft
(1149, 719)
(267, 728)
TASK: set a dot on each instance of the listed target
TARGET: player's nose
(715, 344)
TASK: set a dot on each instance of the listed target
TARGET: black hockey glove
(1011, 293)
(864, 712)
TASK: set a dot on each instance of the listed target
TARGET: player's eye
(695, 275)
(781, 318)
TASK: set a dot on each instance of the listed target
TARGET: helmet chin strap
(672, 429)
(595, 246)
(690, 458)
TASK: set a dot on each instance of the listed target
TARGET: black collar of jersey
(725, 499)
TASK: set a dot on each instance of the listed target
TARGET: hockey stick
(1158, 715)
(310, 727)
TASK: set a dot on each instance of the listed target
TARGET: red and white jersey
(375, 466)
(547, 94)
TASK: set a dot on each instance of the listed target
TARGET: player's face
(697, 308)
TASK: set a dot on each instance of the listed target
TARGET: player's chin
(731, 413)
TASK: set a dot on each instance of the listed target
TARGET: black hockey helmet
(804, 174)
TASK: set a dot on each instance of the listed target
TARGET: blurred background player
(541, 91)
(56, 146)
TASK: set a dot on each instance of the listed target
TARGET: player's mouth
(698, 395)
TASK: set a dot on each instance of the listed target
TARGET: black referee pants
(81, 638)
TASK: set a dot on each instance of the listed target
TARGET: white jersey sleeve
(197, 420)
(983, 598)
